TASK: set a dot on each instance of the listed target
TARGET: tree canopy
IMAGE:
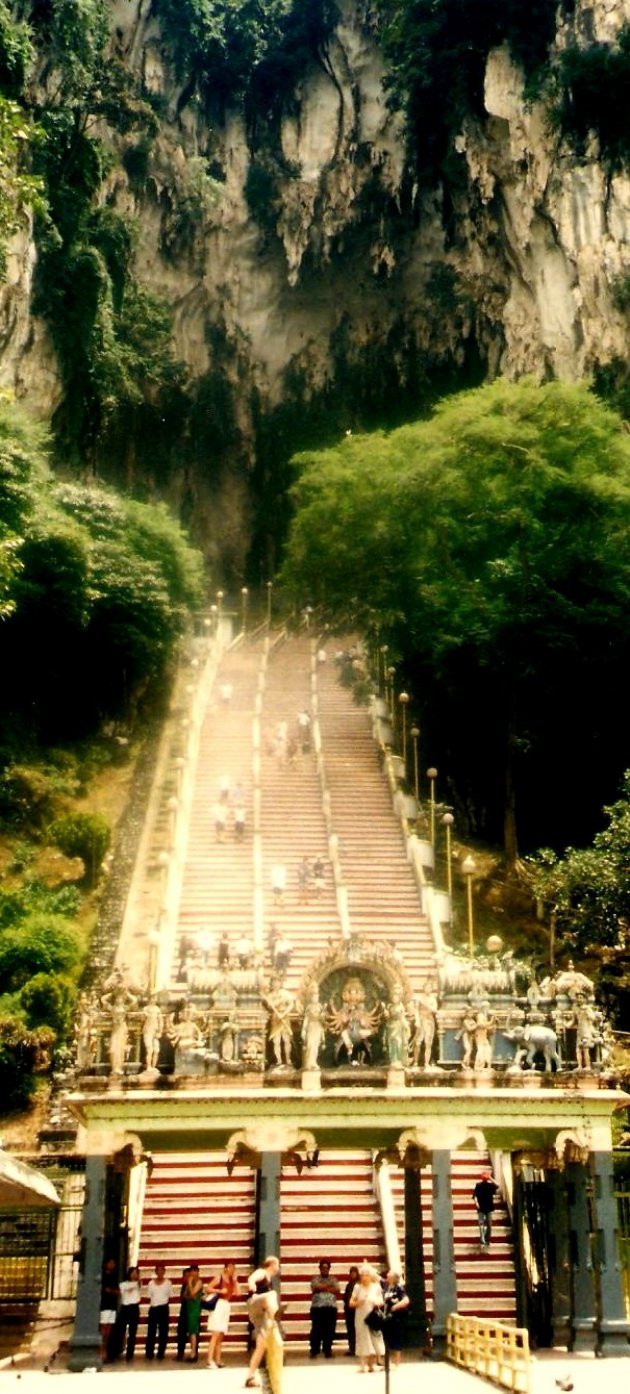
(490, 545)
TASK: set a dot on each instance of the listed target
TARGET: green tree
(84, 835)
(493, 544)
(41, 943)
(24, 1054)
(586, 896)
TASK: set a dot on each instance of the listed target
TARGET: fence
(489, 1348)
(39, 1248)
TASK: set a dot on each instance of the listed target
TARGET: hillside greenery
(489, 547)
(95, 589)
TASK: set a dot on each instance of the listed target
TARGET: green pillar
(414, 1259)
(85, 1342)
(613, 1326)
(583, 1313)
(444, 1281)
(560, 1261)
(268, 1207)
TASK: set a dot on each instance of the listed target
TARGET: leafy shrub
(23, 1055)
(48, 1000)
(36, 897)
(593, 83)
(26, 798)
(22, 854)
(41, 943)
(84, 835)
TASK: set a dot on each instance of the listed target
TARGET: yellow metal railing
(489, 1348)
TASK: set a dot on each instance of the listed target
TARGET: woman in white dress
(370, 1346)
(226, 1285)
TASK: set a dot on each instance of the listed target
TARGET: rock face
(337, 272)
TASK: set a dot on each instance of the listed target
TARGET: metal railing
(490, 1348)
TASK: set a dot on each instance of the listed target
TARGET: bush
(26, 797)
(48, 1000)
(42, 943)
(84, 835)
(23, 1055)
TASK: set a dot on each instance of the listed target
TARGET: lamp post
(382, 683)
(432, 775)
(469, 867)
(269, 594)
(213, 615)
(244, 600)
(391, 672)
(415, 736)
(403, 698)
(219, 608)
(448, 821)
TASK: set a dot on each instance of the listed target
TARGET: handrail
(385, 1198)
(431, 901)
(490, 1348)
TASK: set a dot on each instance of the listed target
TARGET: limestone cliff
(318, 285)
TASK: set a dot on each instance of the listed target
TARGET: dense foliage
(592, 87)
(96, 592)
(587, 893)
(490, 546)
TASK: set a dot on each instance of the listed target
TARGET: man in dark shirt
(483, 1196)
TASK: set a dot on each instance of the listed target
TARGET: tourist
(319, 876)
(324, 1294)
(278, 883)
(182, 1320)
(223, 951)
(304, 731)
(483, 1196)
(129, 1312)
(282, 952)
(367, 1295)
(262, 1310)
(244, 948)
(226, 691)
(226, 1286)
(219, 814)
(348, 1311)
(396, 1303)
(304, 880)
(194, 1295)
(160, 1291)
(110, 1293)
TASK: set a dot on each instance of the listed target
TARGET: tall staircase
(193, 1208)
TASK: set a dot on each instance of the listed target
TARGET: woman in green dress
(194, 1294)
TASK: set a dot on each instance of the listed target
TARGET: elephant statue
(534, 1040)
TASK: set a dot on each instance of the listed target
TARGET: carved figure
(187, 1037)
(353, 1022)
(570, 983)
(483, 1042)
(280, 1004)
(466, 1035)
(313, 1029)
(397, 1030)
(535, 1040)
(227, 1039)
(152, 1027)
(86, 1037)
(425, 1013)
(587, 1033)
(118, 1001)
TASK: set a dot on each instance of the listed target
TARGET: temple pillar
(268, 1206)
(582, 1333)
(559, 1261)
(414, 1259)
(85, 1342)
(613, 1326)
(444, 1282)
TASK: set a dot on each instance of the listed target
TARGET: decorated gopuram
(272, 1043)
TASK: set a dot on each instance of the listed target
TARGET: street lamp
(415, 736)
(219, 607)
(214, 613)
(384, 651)
(448, 821)
(432, 775)
(469, 867)
(403, 698)
(244, 600)
(269, 593)
(392, 709)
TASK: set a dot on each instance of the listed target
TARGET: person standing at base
(194, 1294)
(396, 1303)
(368, 1294)
(483, 1196)
(348, 1311)
(110, 1293)
(160, 1291)
(324, 1294)
(262, 1310)
(226, 1285)
(182, 1320)
(128, 1313)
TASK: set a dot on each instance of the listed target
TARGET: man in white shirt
(160, 1290)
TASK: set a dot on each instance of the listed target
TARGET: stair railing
(433, 903)
(270, 644)
(341, 891)
(385, 1197)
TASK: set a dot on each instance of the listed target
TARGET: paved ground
(588, 1375)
